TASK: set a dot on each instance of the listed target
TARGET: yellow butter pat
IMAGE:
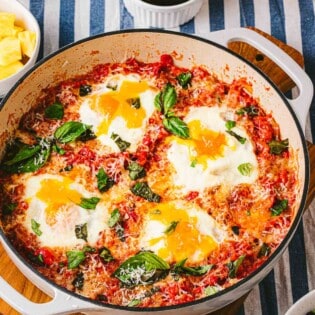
(10, 50)
(6, 71)
(28, 40)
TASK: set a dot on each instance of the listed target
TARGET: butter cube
(6, 24)
(7, 71)
(28, 40)
(10, 50)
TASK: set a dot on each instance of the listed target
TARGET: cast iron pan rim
(240, 283)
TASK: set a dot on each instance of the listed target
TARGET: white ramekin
(150, 15)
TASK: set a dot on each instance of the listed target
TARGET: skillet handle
(61, 303)
(302, 102)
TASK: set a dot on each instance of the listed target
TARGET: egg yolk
(203, 143)
(118, 103)
(57, 193)
(181, 236)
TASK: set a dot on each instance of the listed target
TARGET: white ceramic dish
(150, 15)
(304, 305)
(24, 18)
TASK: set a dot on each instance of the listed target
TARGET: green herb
(88, 249)
(236, 136)
(193, 163)
(87, 135)
(54, 111)
(230, 124)
(105, 254)
(236, 229)
(233, 266)
(81, 231)
(67, 168)
(134, 102)
(35, 227)
(180, 268)
(112, 85)
(89, 203)
(85, 89)
(249, 110)
(143, 268)
(184, 79)
(171, 228)
(122, 145)
(277, 147)
(210, 290)
(176, 126)
(143, 190)
(104, 182)
(78, 281)
(58, 150)
(120, 231)
(245, 169)
(134, 302)
(136, 171)
(279, 206)
(264, 250)
(23, 158)
(166, 99)
(9, 208)
(75, 257)
(70, 131)
(114, 218)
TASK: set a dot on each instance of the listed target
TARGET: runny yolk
(116, 103)
(184, 240)
(57, 193)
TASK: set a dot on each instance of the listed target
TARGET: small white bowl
(304, 305)
(167, 16)
(23, 18)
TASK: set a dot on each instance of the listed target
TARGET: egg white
(118, 125)
(219, 170)
(62, 232)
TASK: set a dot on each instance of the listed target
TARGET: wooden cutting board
(11, 274)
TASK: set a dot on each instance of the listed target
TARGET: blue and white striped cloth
(292, 21)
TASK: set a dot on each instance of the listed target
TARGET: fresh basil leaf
(230, 124)
(35, 227)
(245, 169)
(166, 99)
(134, 302)
(70, 131)
(134, 102)
(104, 182)
(9, 208)
(114, 218)
(277, 147)
(279, 206)
(54, 111)
(143, 190)
(105, 254)
(89, 203)
(87, 135)
(235, 229)
(264, 250)
(184, 79)
(136, 171)
(193, 163)
(24, 152)
(171, 228)
(236, 136)
(81, 231)
(58, 150)
(75, 258)
(143, 268)
(249, 110)
(210, 290)
(85, 89)
(122, 145)
(180, 268)
(176, 126)
(29, 161)
(233, 266)
(78, 281)
(88, 249)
